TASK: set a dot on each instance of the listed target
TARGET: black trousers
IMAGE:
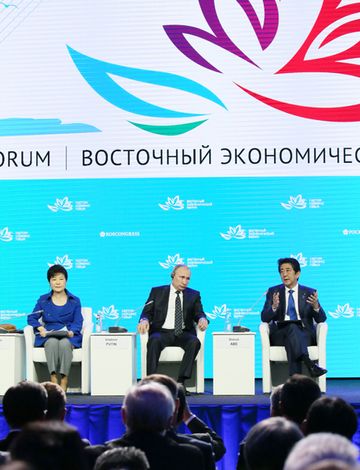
(296, 339)
(159, 340)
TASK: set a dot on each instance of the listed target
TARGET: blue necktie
(291, 311)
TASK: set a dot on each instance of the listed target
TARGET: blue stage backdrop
(117, 238)
(137, 135)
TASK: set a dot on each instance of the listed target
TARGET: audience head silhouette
(23, 403)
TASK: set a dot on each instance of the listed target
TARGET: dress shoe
(317, 371)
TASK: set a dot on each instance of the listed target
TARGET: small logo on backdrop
(314, 261)
(344, 311)
(234, 232)
(347, 232)
(172, 261)
(110, 313)
(226, 313)
(125, 233)
(177, 204)
(61, 205)
(64, 261)
(174, 203)
(302, 260)
(64, 205)
(219, 312)
(68, 263)
(298, 202)
(238, 233)
(8, 236)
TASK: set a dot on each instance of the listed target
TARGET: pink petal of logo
(335, 63)
(329, 14)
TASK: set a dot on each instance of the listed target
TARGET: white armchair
(274, 359)
(170, 358)
(36, 360)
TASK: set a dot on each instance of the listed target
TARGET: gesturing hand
(313, 300)
(275, 301)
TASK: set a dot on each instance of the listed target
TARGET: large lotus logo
(302, 260)
(234, 232)
(172, 261)
(64, 261)
(61, 205)
(111, 313)
(173, 203)
(218, 312)
(297, 202)
(331, 47)
(5, 235)
(345, 311)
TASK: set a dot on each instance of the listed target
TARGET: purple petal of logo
(265, 33)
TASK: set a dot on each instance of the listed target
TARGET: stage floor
(348, 389)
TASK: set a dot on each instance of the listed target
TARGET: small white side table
(112, 363)
(12, 359)
(234, 363)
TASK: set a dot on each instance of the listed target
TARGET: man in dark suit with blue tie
(169, 316)
(292, 311)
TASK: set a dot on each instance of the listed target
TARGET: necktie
(178, 315)
(291, 306)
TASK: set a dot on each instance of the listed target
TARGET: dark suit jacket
(163, 453)
(204, 447)
(201, 430)
(7, 441)
(307, 314)
(155, 312)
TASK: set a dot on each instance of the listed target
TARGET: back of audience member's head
(331, 414)
(49, 445)
(321, 446)
(148, 408)
(275, 397)
(297, 394)
(122, 458)
(16, 465)
(332, 465)
(23, 403)
(56, 404)
(163, 379)
(269, 442)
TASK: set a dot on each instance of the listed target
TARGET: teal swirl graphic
(97, 74)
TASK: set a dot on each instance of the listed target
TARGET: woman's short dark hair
(56, 269)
